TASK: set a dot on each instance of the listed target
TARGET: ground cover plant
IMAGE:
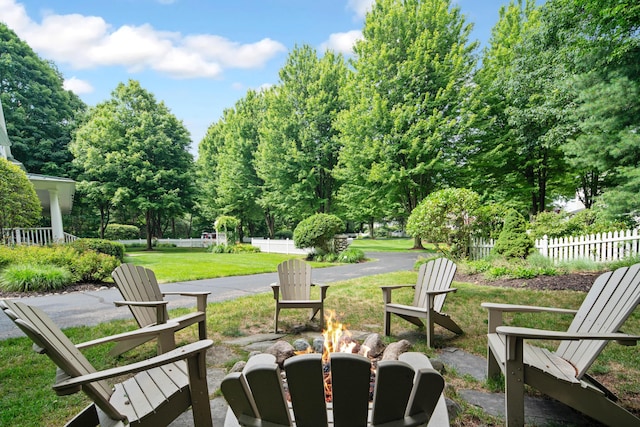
(358, 304)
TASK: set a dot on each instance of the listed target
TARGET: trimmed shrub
(102, 246)
(445, 216)
(91, 266)
(121, 232)
(514, 242)
(317, 232)
(351, 255)
(34, 277)
(85, 265)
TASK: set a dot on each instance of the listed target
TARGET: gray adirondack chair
(141, 293)
(407, 392)
(431, 289)
(156, 392)
(562, 374)
(293, 289)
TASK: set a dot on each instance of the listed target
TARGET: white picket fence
(602, 247)
(279, 246)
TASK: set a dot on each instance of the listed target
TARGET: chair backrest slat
(295, 279)
(305, 379)
(610, 301)
(434, 275)
(137, 283)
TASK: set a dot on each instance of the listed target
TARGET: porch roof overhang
(65, 187)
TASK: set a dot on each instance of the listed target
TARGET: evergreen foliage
(514, 242)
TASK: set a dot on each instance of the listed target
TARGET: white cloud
(342, 42)
(86, 42)
(77, 86)
(360, 7)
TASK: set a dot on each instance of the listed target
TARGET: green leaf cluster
(317, 232)
(19, 204)
(446, 216)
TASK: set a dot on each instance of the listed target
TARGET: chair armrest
(496, 310)
(157, 330)
(516, 335)
(542, 334)
(386, 291)
(276, 291)
(72, 384)
(442, 291)
(201, 297)
(525, 308)
(141, 303)
(188, 293)
(323, 289)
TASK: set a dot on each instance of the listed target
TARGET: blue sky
(197, 56)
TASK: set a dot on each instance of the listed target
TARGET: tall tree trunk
(148, 221)
(371, 233)
(417, 243)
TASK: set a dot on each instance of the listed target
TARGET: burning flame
(337, 339)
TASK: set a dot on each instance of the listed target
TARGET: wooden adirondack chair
(156, 392)
(408, 392)
(431, 289)
(139, 287)
(293, 289)
(563, 374)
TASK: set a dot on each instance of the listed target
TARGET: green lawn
(387, 245)
(180, 264)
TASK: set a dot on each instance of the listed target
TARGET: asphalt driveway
(93, 307)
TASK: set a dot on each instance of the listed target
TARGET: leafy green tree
(238, 186)
(41, 116)
(317, 231)
(19, 204)
(491, 164)
(603, 44)
(410, 103)
(299, 145)
(446, 216)
(136, 153)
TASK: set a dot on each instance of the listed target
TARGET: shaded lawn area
(26, 398)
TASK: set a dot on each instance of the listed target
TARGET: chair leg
(387, 323)
(199, 390)
(493, 368)
(202, 329)
(514, 383)
(275, 320)
(429, 328)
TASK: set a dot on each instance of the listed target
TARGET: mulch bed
(573, 282)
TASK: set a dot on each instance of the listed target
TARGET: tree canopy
(40, 114)
(134, 156)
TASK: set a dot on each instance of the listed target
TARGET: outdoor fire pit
(335, 388)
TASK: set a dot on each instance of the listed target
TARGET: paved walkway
(94, 307)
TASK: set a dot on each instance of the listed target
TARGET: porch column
(56, 217)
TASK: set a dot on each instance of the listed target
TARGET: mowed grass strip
(26, 398)
(182, 264)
